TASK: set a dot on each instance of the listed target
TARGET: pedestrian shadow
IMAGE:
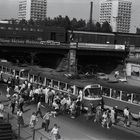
(38, 128)
(27, 138)
(26, 125)
(4, 101)
(26, 110)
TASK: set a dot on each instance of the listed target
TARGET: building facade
(32, 9)
(18, 33)
(117, 13)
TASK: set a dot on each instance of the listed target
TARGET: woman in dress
(33, 120)
(20, 120)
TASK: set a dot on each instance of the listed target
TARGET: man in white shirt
(1, 110)
(126, 116)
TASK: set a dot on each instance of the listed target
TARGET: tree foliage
(68, 24)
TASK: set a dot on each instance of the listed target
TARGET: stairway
(6, 131)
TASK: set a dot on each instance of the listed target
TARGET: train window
(9, 70)
(24, 74)
(41, 80)
(93, 92)
(115, 94)
(4, 69)
(35, 78)
(70, 89)
(2, 27)
(106, 91)
(48, 82)
(126, 96)
(136, 99)
(79, 90)
(0, 68)
(16, 72)
(31, 78)
(62, 86)
(55, 84)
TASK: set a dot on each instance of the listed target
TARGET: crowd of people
(56, 103)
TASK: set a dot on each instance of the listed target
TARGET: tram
(90, 92)
(9, 70)
(122, 95)
(93, 91)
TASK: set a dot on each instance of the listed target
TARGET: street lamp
(34, 133)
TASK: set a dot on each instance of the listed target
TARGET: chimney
(91, 10)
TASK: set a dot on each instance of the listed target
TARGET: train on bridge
(35, 35)
(128, 39)
(91, 90)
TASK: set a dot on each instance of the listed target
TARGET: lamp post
(18, 130)
(34, 133)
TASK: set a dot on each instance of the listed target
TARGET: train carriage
(122, 95)
(91, 92)
(8, 70)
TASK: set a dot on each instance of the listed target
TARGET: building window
(2, 27)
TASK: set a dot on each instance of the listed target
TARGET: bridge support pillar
(32, 55)
(72, 60)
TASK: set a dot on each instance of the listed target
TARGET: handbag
(58, 136)
(43, 124)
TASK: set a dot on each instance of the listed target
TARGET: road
(79, 128)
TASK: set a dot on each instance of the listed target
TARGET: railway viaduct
(63, 57)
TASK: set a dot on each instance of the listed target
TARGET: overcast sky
(72, 8)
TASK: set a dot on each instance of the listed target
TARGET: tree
(31, 22)
(73, 23)
(98, 27)
(106, 27)
(23, 22)
(67, 23)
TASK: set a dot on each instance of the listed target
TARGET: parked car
(102, 76)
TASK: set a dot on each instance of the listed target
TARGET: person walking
(116, 114)
(126, 114)
(98, 114)
(112, 116)
(33, 120)
(1, 111)
(138, 122)
(46, 122)
(39, 109)
(13, 104)
(20, 120)
(21, 103)
(55, 132)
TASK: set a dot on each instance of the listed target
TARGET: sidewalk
(26, 133)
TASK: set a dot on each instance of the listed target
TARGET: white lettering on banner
(98, 46)
(119, 47)
(91, 45)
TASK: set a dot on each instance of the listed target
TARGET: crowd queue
(56, 103)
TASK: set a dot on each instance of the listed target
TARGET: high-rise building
(32, 9)
(117, 13)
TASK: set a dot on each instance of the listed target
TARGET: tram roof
(82, 82)
(121, 86)
(12, 66)
(59, 76)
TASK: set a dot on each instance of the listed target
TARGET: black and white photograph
(69, 70)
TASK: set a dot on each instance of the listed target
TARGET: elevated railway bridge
(64, 56)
